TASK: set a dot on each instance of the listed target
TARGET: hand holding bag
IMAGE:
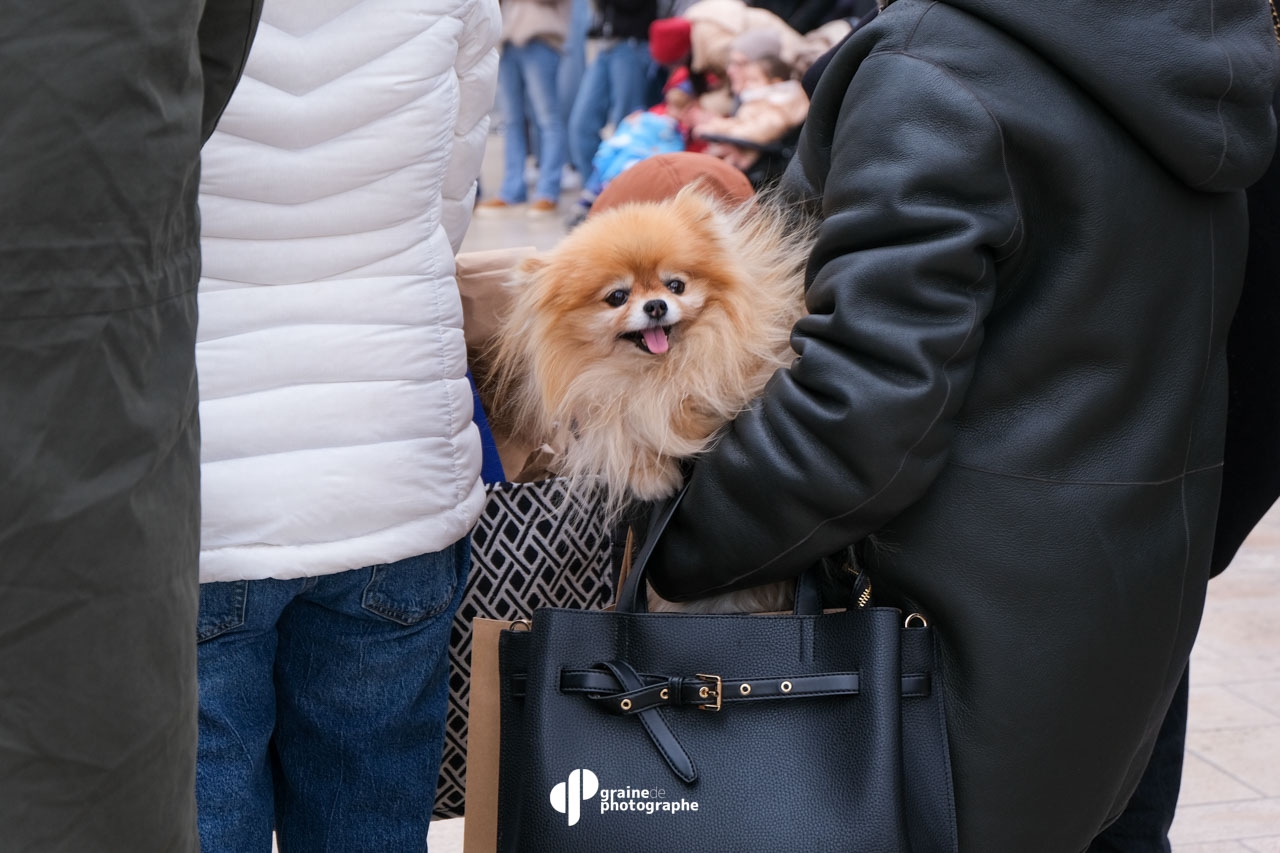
(634, 732)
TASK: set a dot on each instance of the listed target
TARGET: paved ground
(1230, 800)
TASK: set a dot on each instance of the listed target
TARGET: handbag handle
(633, 598)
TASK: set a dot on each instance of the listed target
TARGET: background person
(573, 67)
(660, 130)
(534, 35)
(771, 106)
(617, 79)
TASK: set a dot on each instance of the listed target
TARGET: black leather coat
(1013, 372)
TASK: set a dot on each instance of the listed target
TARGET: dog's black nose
(655, 308)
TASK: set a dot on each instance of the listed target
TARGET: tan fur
(625, 417)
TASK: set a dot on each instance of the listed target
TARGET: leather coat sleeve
(917, 209)
(226, 33)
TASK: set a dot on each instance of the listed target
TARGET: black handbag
(631, 732)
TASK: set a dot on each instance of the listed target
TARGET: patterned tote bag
(536, 545)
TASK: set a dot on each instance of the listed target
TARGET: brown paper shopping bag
(484, 280)
(480, 831)
(486, 286)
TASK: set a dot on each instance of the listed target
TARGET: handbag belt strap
(706, 692)
(916, 685)
(618, 689)
(656, 727)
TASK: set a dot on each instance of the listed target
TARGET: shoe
(578, 216)
(542, 207)
(493, 205)
(570, 180)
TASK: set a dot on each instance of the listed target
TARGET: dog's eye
(617, 298)
(676, 286)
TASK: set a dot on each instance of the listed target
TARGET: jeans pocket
(222, 608)
(411, 590)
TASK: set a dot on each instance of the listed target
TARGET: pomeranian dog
(647, 329)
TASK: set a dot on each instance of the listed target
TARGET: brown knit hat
(661, 177)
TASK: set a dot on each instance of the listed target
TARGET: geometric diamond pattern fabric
(535, 545)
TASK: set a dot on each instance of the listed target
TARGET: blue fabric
(491, 464)
(322, 706)
(639, 136)
(614, 86)
(527, 76)
(573, 62)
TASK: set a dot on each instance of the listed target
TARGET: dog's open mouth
(654, 340)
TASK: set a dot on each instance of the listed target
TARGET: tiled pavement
(1230, 801)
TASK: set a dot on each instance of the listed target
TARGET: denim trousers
(573, 62)
(527, 77)
(614, 86)
(322, 706)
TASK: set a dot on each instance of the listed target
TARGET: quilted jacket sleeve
(917, 208)
(477, 69)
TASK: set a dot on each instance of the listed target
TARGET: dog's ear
(528, 271)
(700, 210)
(531, 266)
(697, 203)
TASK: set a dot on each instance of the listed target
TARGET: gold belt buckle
(705, 692)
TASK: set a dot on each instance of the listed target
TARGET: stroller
(767, 170)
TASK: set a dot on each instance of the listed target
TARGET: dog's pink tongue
(655, 338)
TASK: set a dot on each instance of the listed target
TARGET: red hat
(678, 78)
(660, 177)
(669, 41)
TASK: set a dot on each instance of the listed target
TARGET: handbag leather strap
(656, 727)
(633, 594)
(701, 691)
(707, 692)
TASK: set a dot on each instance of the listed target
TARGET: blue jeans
(614, 86)
(573, 63)
(527, 75)
(322, 706)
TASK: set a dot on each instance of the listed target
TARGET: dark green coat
(103, 108)
(1013, 372)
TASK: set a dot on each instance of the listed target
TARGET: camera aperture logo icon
(568, 797)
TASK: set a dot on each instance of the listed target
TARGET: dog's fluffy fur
(581, 361)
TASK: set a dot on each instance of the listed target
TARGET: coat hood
(1192, 81)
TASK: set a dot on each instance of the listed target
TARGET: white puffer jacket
(335, 410)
